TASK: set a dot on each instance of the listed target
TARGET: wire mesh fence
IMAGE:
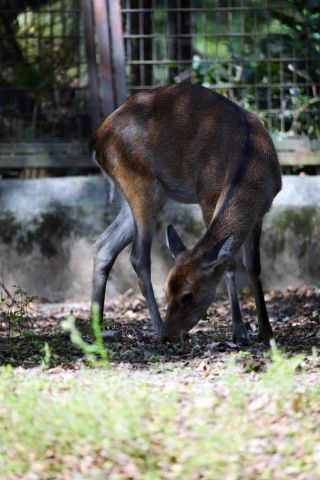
(263, 54)
(43, 70)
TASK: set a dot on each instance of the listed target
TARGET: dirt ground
(294, 314)
(196, 364)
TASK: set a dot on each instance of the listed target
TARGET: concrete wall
(47, 228)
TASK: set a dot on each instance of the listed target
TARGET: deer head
(192, 282)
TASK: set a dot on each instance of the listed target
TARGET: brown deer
(186, 143)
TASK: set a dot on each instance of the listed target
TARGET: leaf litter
(127, 332)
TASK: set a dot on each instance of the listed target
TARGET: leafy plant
(47, 355)
(95, 352)
(276, 61)
(15, 310)
(43, 39)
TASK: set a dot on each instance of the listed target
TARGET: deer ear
(220, 253)
(174, 242)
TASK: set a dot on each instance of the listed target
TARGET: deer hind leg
(146, 198)
(106, 249)
(251, 258)
(239, 330)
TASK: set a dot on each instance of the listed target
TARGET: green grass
(98, 424)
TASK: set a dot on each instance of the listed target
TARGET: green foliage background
(264, 58)
(44, 75)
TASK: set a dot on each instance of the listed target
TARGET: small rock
(111, 335)
(232, 345)
(214, 345)
(222, 346)
(253, 327)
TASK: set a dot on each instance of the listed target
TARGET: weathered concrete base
(47, 228)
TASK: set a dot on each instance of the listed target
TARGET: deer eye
(186, 298)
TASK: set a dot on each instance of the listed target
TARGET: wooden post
(86, 9)
(100, 8)
(105, 16)
(117, 51)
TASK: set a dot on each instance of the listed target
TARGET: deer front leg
(146, 198)
(251, 257)
(239, 330)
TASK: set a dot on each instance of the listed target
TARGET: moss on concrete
(304, 221)
(300, 224)
(49, 229)
(44, 230)
(9, 227)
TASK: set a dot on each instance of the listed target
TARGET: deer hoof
(265, 337)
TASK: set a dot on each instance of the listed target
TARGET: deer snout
(173, 334)
(174, 327)
(170, 337)
(170, 330)
(165, 332)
